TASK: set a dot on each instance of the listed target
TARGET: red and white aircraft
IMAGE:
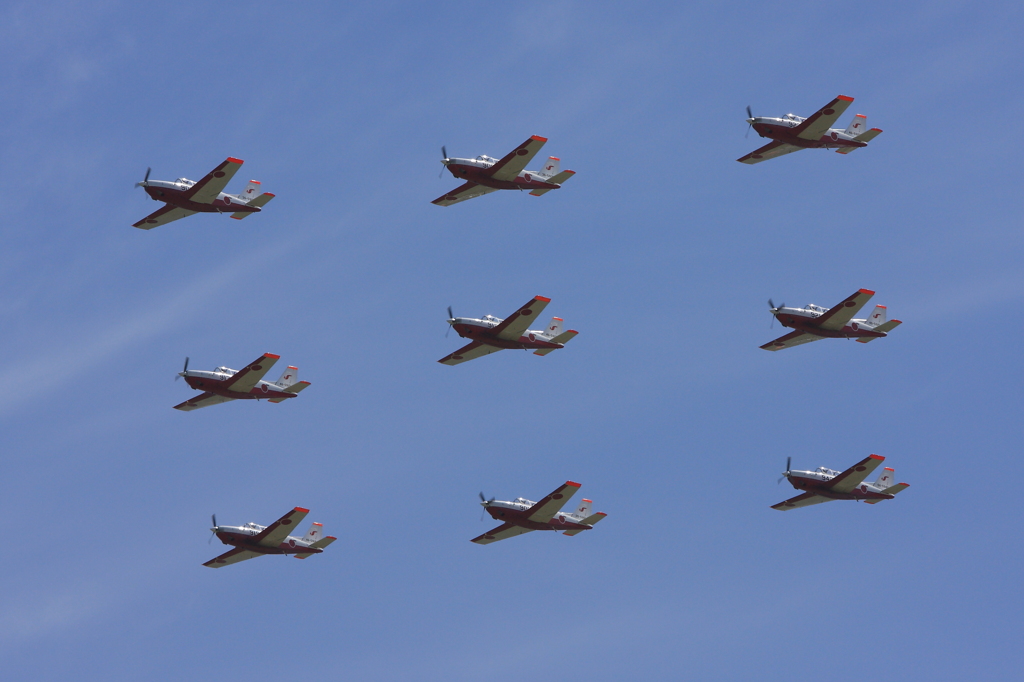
(792, 133)
(185, 197)
(814, 323)
(253, 540)
(484, 174)
(825, 485)
(491, 334)
(522, 516)
(224, 384)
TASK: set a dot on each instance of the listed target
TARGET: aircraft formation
(489, 334)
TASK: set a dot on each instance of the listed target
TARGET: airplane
(224, 384)
(791, 133)
(825, 485)
(183, 197)
(253, 540)
(491, 334)
(814, 323)
(522, 516)
(485, 174)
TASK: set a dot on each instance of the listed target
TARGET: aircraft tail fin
(884, 327)
(555, 180)
(877, 316)
(562, 338)
(885, 478)
(319, 544)
(315, 532)
(251, 191)
(258, 202)
(551, 168)
(288, 377)
(590, 521)
(892, 490)
(555, 328)
(584, 508)
(858, 125)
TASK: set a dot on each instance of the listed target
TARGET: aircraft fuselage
(814, 482)
(531, 340)
(173, 193)
(804, 320)
(214, 383)
(475, 171)
(510, 512)
(781, 129)
(244, 538)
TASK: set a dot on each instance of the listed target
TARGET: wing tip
(271, 355)
(538, 138)
(845, 98)
(574, 484)
(866, 291)
(878, 457)
(232, 159)
(301, 509)
(545, 299)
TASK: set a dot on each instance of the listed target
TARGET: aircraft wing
(791, 339)
(167, 214)
(855, 475)
(769, 151)
(213, 183)
(470, 190)
(513, 326)
(513, 163)
(245, 379)
(232, 557)
(818, 123)
(836, 317)
(469, 352)
(274, 534)
(502, 532)
(805, 500)
(202, 400)
(549, 506)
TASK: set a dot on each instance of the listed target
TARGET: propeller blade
(751, 125)
(183, 373)
(214, 529)
(482, 498)
(785, 474)
(450, 318)
(444, 152)
(749, 114)
(148, 170)
(214, 517)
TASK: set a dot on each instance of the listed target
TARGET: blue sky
(662, 251)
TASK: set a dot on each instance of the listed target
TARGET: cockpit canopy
(827, 471)
(185, 181)
(488, 159)
(224, 370)
(816, 308)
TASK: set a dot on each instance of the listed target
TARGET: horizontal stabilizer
(319, 544)
(868, 135)
(258, 202)
(562, 338)
(884, 327)
(556, 180)
(590, 521)
(891, 490)
(296, 387)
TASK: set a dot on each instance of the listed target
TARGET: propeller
(785, 474)
(145, 179)
(483, 503)
(774, 310)
(214, 529)
(181, 374)
(750, 121)
(444, 160)
(451, 318)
